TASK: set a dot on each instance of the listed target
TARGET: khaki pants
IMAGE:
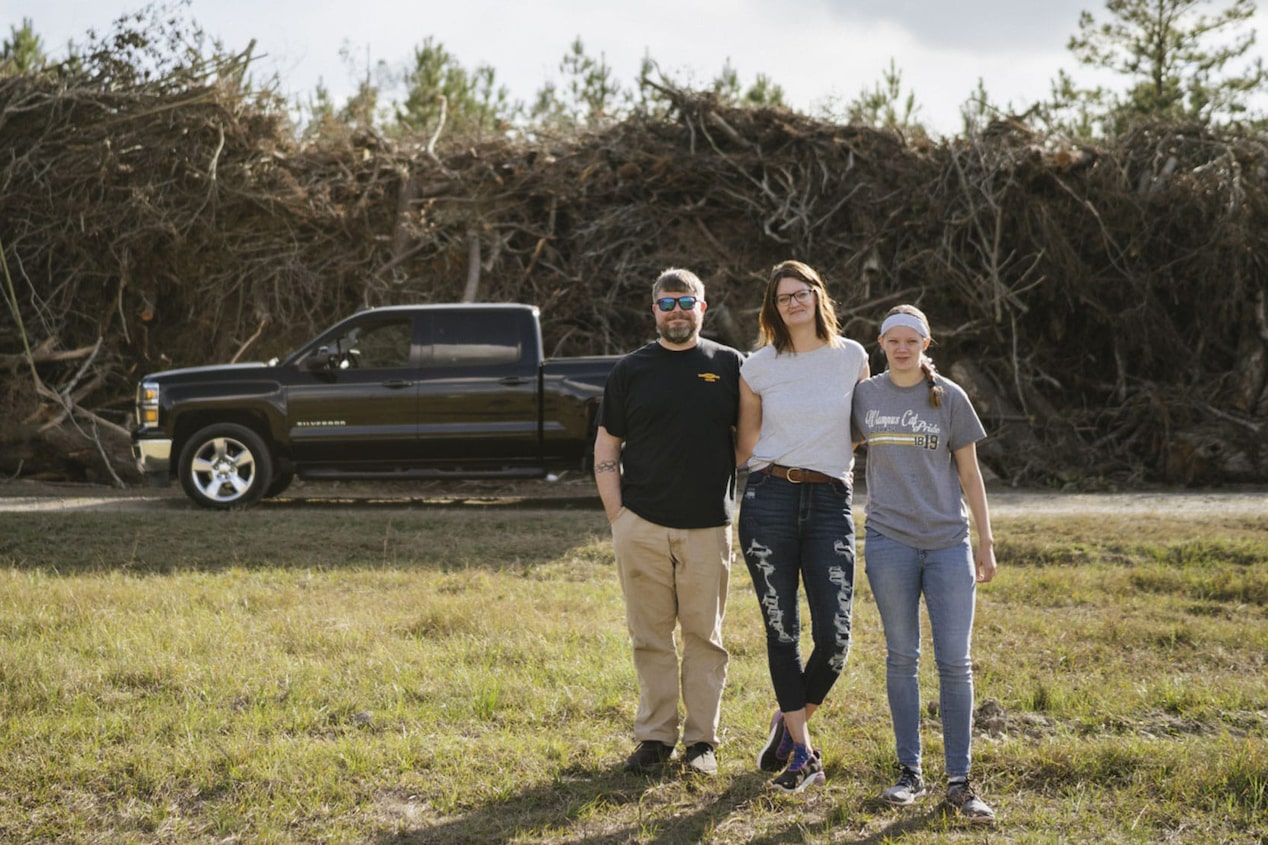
(675, 576)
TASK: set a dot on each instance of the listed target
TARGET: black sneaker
(910, 786)
(805, 769)
(774, 754)
(649, 756)
(700, 759)
(961, 796)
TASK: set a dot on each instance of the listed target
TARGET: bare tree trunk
(473, 265)
(402, 236)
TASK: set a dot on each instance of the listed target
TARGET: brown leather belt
(798, 475)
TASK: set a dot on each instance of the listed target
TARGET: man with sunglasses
(664, 464)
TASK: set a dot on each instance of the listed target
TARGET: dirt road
(24, 496)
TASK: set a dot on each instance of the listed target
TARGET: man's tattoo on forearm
(605, 466)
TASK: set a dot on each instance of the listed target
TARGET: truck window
(386, 344)
(382, 344)
(475, 340)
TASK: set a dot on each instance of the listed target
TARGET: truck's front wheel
(225, 466)
(280, 482)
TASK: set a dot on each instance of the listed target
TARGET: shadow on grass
(172, 537)
(594, 807)
(928, 815)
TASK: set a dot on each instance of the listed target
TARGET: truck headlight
(147, 404)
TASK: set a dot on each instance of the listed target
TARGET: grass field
(392, 675)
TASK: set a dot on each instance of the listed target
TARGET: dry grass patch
(399, 675)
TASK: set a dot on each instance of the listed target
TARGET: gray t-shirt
(913, 486)
(806, 399)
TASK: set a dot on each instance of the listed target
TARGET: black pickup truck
(401, 392)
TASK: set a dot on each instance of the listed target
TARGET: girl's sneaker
(961, 796)
(910, 786)
(805, 769)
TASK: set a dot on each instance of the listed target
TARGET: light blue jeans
(899, 575)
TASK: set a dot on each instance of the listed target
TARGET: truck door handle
(513, 380)
(397, 383)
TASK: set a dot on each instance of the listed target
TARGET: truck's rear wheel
(225, 465)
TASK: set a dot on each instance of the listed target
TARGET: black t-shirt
(675, 410)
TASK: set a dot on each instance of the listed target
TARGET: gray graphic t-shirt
(913, 485)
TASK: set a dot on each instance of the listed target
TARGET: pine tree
(22, 52)
(1178, 61)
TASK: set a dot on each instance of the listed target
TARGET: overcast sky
(821, 52)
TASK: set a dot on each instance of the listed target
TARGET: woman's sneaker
(961, 796)
(910, 786)
(805, 769)
(775, 753)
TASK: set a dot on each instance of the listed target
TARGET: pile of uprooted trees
(1103, 304)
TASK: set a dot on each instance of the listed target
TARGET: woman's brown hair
(771, 325)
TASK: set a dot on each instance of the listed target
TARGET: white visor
(907, 320)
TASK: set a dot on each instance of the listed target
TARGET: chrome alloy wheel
(223, 470)
(225, 465)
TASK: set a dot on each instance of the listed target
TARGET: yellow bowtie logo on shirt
(709, 377)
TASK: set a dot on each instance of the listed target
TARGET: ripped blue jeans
(803, 534)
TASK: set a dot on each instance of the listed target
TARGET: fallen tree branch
(42, 354)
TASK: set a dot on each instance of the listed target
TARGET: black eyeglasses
(802, 296)
(686, 303)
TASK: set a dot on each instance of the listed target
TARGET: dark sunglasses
(686, 303)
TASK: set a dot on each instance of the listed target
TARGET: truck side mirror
(319, 361)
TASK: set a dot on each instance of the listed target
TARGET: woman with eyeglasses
(796, 523)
